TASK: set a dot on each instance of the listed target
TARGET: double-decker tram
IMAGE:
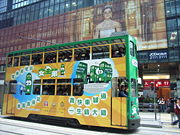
(92, 82)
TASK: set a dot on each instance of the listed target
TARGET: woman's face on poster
(107, 13)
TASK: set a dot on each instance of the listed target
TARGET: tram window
(48, 87)
(78, 87)
(115, 90)
(135, 49)
(100, 52)
(16, 61)
(119, 87)
(10, 61)
(50, 57)
(36, 59)
(132, 48)
(64, 81)
(82, 54)
(25, 60)
(134, 88)
(118, 51)
(64, 89)
(36, 87)
(12, 87)
(65, 56)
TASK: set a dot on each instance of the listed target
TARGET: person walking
(177, 112)
(171, 106)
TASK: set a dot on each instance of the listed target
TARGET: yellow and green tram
(76, 82)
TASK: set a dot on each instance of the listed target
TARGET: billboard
(143, 19)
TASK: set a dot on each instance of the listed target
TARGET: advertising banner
(143, 19)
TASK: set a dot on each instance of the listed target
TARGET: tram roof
(84, 42)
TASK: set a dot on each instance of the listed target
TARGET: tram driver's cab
(119, 87)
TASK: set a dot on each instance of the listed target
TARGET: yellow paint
(59, 105)
(119, 111)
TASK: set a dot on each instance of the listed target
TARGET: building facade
(28, 24)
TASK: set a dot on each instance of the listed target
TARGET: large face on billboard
(143, 19)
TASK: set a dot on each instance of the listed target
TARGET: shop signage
(158, 83)
(158, 55)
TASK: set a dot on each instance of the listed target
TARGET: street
(10, 126)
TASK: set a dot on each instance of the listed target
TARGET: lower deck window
(37, 87)
(77, 90)
(78, 86)
(48, 87)
(12, 87)
(64, 90)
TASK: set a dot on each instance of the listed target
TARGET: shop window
(63, 87)
(37, 87)
(36, 59)
(48, 87)
(172, 38)
(118, 50)
(170, 8)
(177, 7)
(25, 60)
(50, 57)
(171, 24)
(82, 54)
(65, 56)
(100, 52)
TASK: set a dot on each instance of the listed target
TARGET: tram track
(19, 126)
(12, 124)
(10, 132)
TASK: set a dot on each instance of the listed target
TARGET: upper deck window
(118, 50)
(100, 52)
(36, 59)
(82, 54)
(10, 60)
(65, 55)
(50, 57)
(16, 61)
(25, 60)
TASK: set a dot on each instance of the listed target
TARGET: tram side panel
(94, 107)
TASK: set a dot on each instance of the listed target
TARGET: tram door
(119, 106)
(11, 105)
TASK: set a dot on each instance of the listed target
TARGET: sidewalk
(148, 119)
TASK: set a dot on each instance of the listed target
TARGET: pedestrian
(171, 106)
(177, 112)
(162, 105)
